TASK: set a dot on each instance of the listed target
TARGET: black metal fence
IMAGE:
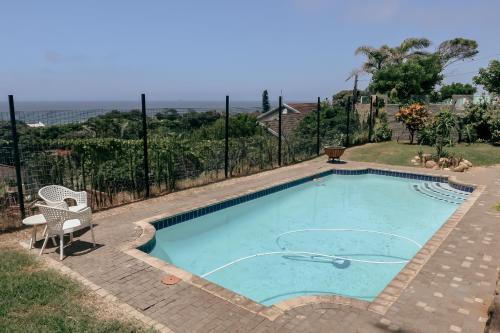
(119, 157)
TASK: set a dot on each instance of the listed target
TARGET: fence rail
(121, 156)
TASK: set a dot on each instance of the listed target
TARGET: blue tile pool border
(198, 212)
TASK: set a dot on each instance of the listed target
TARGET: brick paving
(451, 292)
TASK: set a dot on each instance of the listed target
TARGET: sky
(202, 50)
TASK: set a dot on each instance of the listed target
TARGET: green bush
(482, 123)
(382, 131)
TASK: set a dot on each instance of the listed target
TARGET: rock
(464, 165)
(430, 164)
(413, 161)
(417, 158)
(443, 162)
(446, 169)
(460, 168)
(426, 157)
(468, 163)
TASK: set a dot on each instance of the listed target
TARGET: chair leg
(44, 243)
(92, 234)
(71, 237)
(61, 251)
(54, 241)
(33, 236)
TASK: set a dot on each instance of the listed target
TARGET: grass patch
(33, 299)
(497, 207)
(480, 154)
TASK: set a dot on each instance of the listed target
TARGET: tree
(453, 50)
(449, 52)
(410, 48)
(456, 88)
(377, 58)
(414, 117)
(489, 77)
(266, 106)
(415, 77)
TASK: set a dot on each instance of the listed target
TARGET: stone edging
(379, 305)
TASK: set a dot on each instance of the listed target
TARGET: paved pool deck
(449, 289)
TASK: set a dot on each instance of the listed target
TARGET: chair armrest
(84, 215)
(79, 197)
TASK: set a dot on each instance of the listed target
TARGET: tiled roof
(290, 121)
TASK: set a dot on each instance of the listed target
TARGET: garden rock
(426, 157)
(443, 162)
(460, 168)
(414, 162)
(430, 164)
(466, 162)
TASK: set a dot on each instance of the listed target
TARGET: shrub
(382, 131)
(414, 117)
(482, 123)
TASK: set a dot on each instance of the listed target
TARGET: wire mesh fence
(102, 152)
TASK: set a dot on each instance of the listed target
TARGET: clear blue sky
(202, 50)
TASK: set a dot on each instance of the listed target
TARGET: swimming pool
(348, 235)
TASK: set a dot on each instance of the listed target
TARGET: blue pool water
(345, 235)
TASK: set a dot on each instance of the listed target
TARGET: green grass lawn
(401, 153)
(34, 299)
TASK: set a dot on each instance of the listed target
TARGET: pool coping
(379, 305)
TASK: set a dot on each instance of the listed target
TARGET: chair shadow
(76, 248)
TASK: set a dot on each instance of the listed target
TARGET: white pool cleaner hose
(314, 254)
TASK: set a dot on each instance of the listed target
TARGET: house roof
(293, 114)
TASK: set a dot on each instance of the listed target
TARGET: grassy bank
(33, 299)
(401, 153)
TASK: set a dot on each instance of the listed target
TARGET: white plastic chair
(61, 221)
(54, 196)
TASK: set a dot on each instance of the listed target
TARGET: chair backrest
(54, 195)
(56, 216)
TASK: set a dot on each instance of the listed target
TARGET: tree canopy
(489, 77)
(410, 69)
(408, 80)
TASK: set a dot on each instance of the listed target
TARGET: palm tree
(379, 57)
(409, 48)
(376, 58)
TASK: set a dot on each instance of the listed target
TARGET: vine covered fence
(102, 151)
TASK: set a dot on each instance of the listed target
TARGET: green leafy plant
(414, 117)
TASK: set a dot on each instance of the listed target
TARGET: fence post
(280, 102)
(317, 126)
(226, 140)
(370, 121)
(145, 144)
(17, 159)
(348, 110)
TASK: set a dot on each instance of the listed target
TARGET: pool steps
(441, 191)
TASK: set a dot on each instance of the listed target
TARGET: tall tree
(377, 58)
(453, 50)
(266, 106)
(489, 77)
(408, 49)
